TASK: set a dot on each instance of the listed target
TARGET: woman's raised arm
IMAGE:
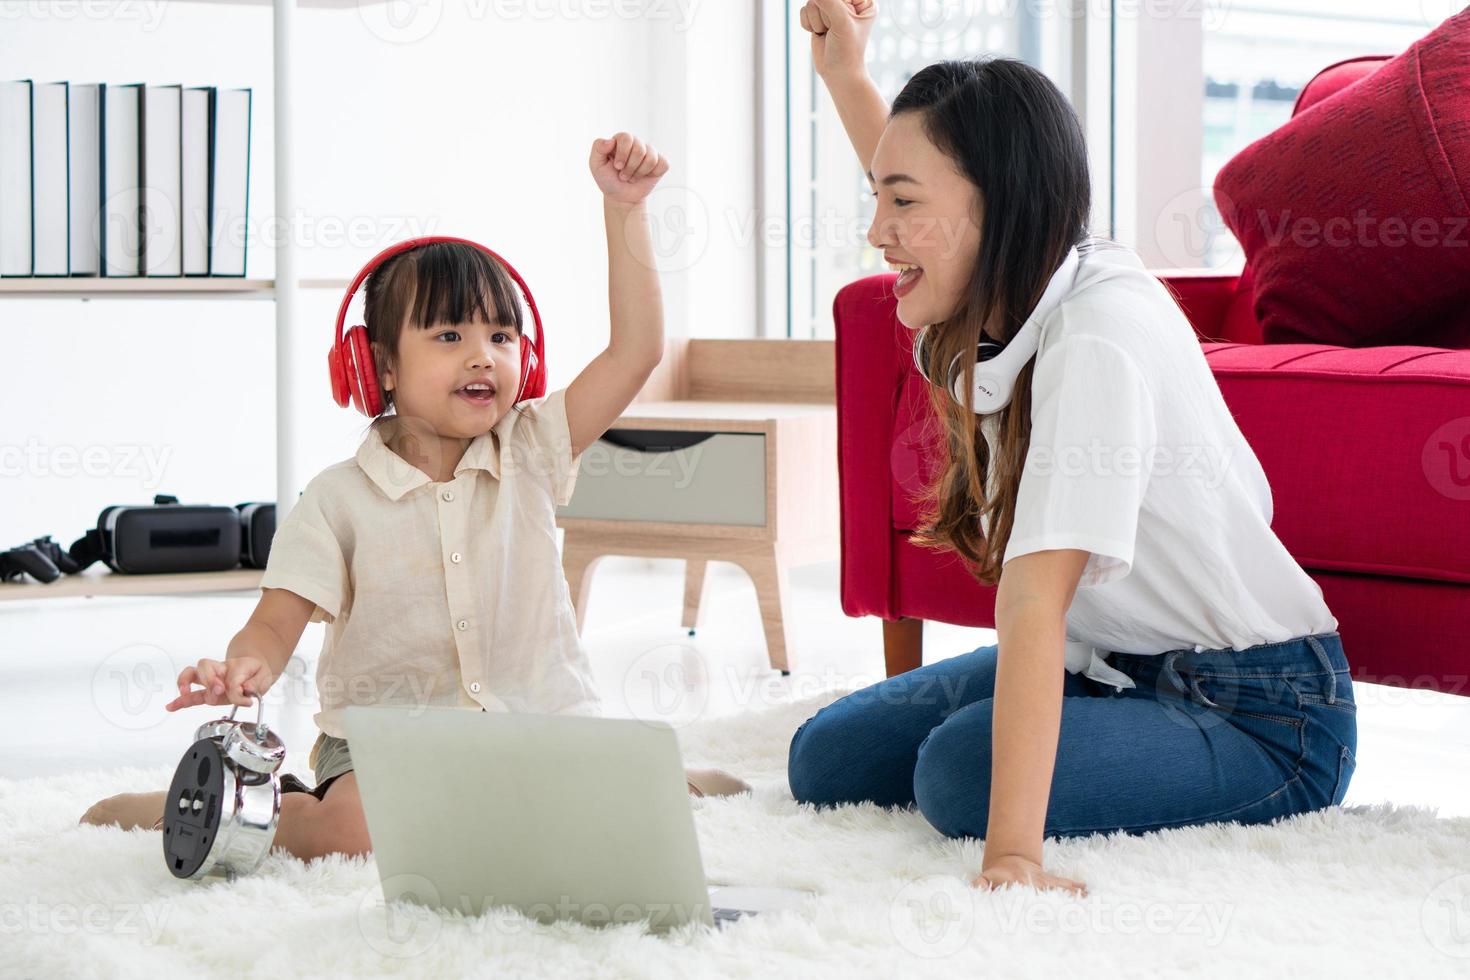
(840, 30)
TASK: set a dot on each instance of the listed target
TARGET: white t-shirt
(1135, 457)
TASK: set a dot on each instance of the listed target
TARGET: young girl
(432, 553)
(1162, 661)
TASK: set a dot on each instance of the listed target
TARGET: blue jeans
(1204, 736)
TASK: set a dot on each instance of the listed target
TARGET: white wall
(721, 153)
(472, 118)
(1160, 131)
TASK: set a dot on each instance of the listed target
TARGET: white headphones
(999, 364)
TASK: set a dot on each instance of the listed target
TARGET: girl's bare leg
(128, 811)
(714, 782)
(308, 828)
(311, 828)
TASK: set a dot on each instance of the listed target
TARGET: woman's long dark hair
(1013, 134)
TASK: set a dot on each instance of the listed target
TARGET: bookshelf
(144, 287)
(282, 291)
(99, 581)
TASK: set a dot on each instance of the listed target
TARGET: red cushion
(1367, 452)
(1334, 78)
(1354, 215)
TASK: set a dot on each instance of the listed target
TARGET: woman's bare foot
(128, 811)
(714, 782)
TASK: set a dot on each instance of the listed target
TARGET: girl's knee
(340, 824)
(310, 828)
(344, 833)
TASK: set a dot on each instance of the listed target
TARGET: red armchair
(1367, 451)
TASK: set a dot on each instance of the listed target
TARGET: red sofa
(1367, 451)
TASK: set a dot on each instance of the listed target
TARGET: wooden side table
(729, 453)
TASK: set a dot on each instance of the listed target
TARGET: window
(1259, 55)
(1156, 141)
(828, 204)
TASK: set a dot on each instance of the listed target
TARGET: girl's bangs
(460, 284)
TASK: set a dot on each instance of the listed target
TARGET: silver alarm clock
(223, 805)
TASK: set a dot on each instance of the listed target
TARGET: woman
(1166, 662)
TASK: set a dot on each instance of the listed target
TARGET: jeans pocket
(1347, 764)
(1345, 705)
(1314, 691)
(1265, 708)
(1270, 698)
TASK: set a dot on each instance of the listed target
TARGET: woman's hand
(626, 168)
(839, 30)
(1012, 868)
(232, 681)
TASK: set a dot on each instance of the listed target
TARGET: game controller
(42, 559)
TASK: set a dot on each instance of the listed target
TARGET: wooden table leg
(903, 645)
(694, 579)
(772, 589)
(579, 561)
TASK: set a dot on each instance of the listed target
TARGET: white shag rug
(1368, 890)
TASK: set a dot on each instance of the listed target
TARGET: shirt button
(462, 625)
(475, 688)
(447, 495)
(454, 558)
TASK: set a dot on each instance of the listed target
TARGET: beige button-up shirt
(444, 594)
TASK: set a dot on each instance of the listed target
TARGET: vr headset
(174, 537)
(164, 537)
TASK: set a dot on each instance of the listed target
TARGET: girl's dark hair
(441, 282)
(1014, 135)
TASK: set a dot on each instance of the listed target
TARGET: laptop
(559, 816)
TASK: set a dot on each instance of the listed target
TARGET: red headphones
(350, 361)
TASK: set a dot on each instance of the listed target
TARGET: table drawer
(719, 480)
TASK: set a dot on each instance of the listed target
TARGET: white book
(230, 182)
(121, 244)
(16, 193)
(52, 216)
(162, 204)
(85, 178)
(194, 136)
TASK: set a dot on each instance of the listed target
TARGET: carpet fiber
(1375, 889)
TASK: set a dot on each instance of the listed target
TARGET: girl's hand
(1013, 869)
(231, 681)
(626, 168)
(839, 30)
